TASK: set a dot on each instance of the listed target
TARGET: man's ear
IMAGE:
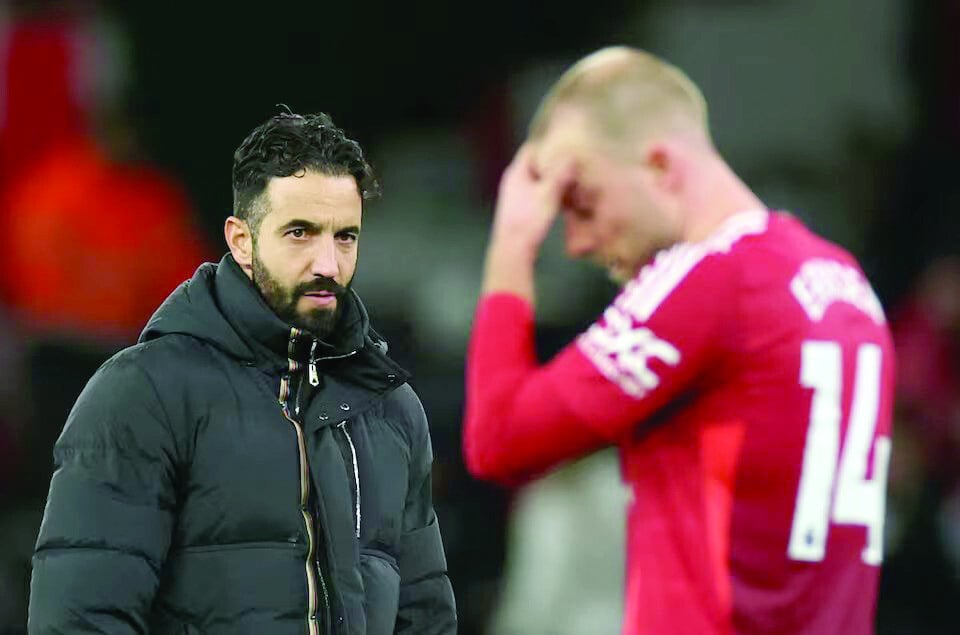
(661, 158)
(240, 241)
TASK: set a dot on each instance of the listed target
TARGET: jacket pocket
(235, 546)
(169, 625)
(421, 552)
(381, 590)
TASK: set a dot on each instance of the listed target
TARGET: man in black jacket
(256, 463)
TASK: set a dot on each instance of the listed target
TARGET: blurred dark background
(118, 121)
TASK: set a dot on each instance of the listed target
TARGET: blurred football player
(745, 371)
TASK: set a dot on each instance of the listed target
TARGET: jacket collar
(275, 344)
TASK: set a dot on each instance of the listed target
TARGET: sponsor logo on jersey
(623, 352)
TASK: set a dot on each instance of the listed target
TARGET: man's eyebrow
(310, 226)
(314, 228)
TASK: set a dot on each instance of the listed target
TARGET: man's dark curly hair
(287, 144)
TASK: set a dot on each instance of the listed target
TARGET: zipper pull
(312, 367)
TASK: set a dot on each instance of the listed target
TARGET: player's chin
(621, 273)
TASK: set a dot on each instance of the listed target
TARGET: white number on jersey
(856, 499)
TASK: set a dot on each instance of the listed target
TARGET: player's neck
(720, 195)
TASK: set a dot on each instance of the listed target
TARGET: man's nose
(579, 242)
(324, 262)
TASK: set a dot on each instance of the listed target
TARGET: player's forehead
(567, 136)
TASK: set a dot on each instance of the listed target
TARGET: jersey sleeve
(655, 341)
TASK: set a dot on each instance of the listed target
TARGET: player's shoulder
(773, 247)
(689, 271)
(720, 250)
(733, 241)
(787, 238)
(759, 251)
(815, 271)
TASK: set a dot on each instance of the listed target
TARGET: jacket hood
(222, 306)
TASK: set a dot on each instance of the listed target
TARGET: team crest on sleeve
(622, 351)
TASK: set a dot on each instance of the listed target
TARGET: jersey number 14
(834, 486)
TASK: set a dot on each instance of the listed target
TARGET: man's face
(615, 214)
(305, 252)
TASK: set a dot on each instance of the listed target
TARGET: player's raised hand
(529, 200)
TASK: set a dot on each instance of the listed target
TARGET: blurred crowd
(94, 234)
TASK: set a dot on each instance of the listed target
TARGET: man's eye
(578, 213)
(347, 237)
(297, 232)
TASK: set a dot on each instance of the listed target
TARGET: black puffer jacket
(213, 479)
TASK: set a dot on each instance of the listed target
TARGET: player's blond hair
(628, 94)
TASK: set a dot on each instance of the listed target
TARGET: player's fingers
(555, 185)
(523, 159)
(523, 164)
(517, 164)
(523, 155)
(519, 174)
(511, 174)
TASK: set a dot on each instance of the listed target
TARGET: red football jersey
(748, 381)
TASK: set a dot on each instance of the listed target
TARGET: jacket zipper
(312, 608)
(312, 365)
(344, 356)
(356, 473)
(326, 598)
(314, 377)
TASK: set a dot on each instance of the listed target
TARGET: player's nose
(578, 242)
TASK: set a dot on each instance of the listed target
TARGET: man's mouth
(321, 298)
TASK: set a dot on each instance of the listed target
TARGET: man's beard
(319, 321)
